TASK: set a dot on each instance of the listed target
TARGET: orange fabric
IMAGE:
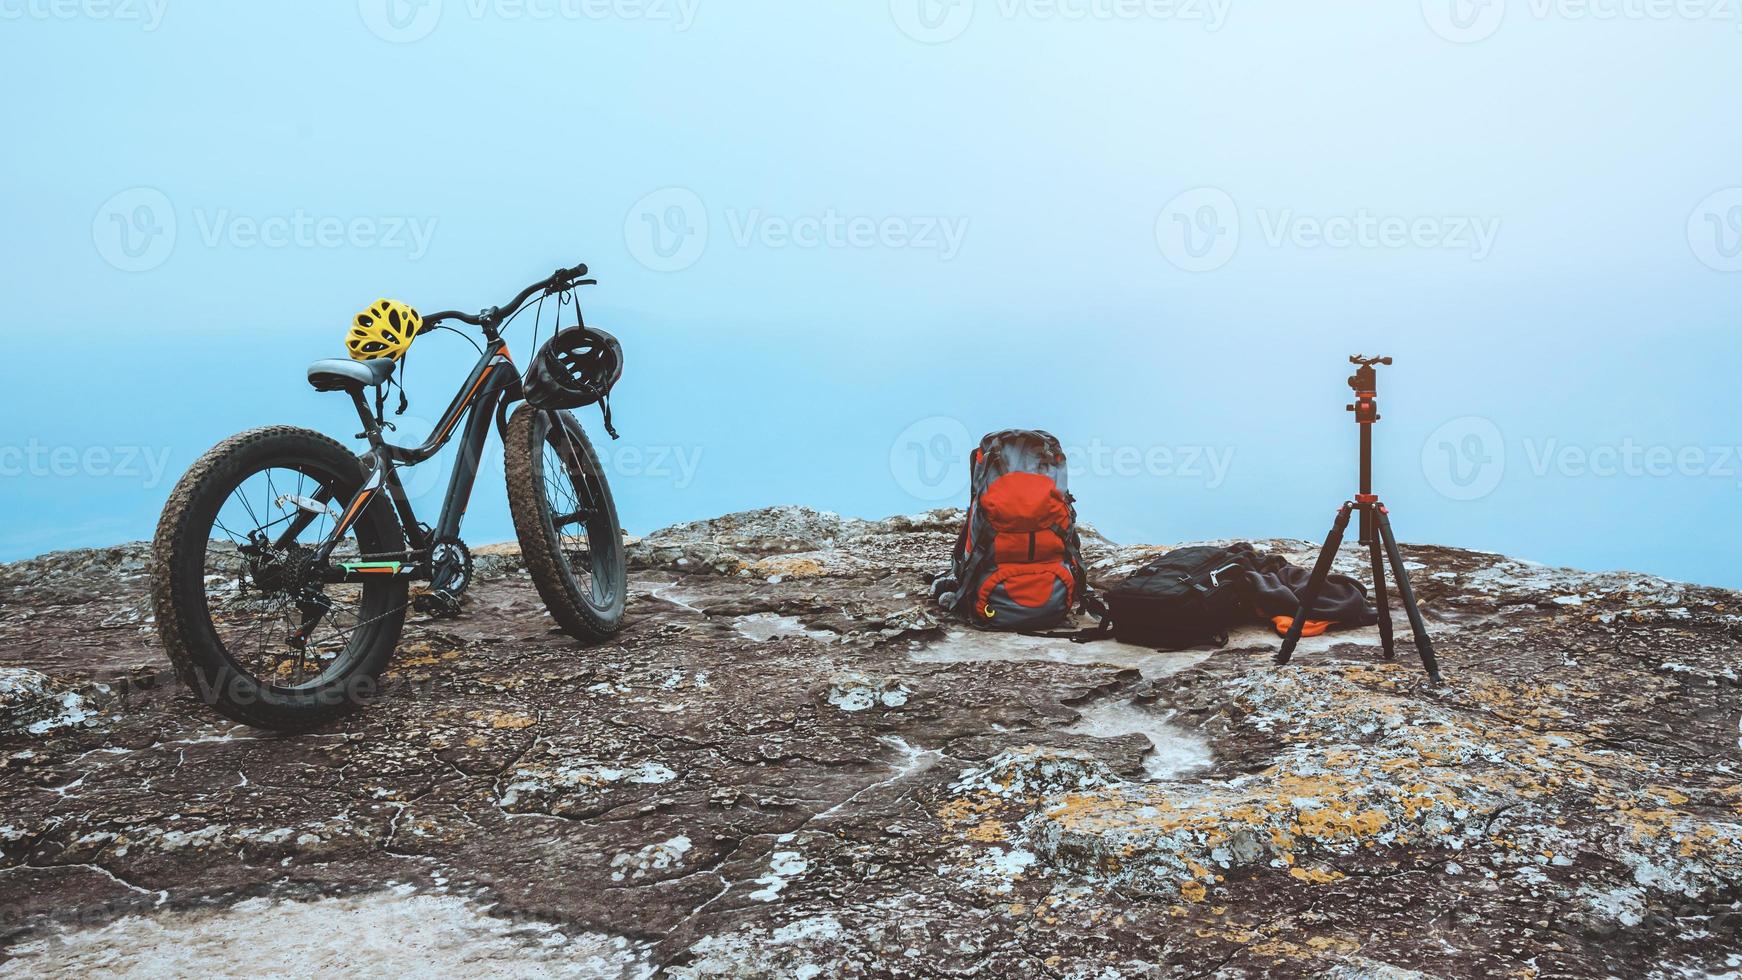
(1027, 585)
(1025, 502)
(1313, 627)
(1027, 546)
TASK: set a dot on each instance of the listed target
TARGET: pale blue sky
(838, 238)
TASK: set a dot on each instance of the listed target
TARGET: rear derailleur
(289, 571)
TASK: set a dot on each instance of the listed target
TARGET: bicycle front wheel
(566, 521)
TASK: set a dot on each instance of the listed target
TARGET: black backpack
(1186, 598)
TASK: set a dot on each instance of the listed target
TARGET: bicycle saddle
(335, 374)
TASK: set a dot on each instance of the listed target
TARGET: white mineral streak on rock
(783, 866)
(653, 857)
(856, 692)
(961, 645)
(799, 949)
(30, 705)
(765, 626)
(1172, 752)
(387, 933)
(536, 779)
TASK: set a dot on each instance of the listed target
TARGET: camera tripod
(1375, 528)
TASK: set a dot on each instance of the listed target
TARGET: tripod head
(1365, 381)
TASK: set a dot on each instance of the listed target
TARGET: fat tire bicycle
(283, 562)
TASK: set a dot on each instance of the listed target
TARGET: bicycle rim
(260, 590)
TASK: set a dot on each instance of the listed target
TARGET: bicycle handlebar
(559, 281)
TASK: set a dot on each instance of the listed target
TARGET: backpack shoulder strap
(1093, 606)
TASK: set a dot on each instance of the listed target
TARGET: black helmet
(575, 368)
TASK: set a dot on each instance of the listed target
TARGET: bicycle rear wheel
(242, 610)
(566, 521)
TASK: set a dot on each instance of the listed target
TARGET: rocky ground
(787, 765)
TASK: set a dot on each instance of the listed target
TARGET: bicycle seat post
(371, 426)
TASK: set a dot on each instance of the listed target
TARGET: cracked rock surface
(788, 765)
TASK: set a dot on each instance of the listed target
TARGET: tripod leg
(1422, 644)
(1381, 601)
(1327, 554)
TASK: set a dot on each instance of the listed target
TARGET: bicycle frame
(493, 385)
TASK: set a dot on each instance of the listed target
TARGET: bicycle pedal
(439, 604)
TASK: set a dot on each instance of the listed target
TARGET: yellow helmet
(385, 329)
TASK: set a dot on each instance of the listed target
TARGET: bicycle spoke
(573, 507)
(259, 590)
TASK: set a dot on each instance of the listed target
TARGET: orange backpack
(1018, 562)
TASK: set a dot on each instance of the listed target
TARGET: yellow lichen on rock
(508, 720)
